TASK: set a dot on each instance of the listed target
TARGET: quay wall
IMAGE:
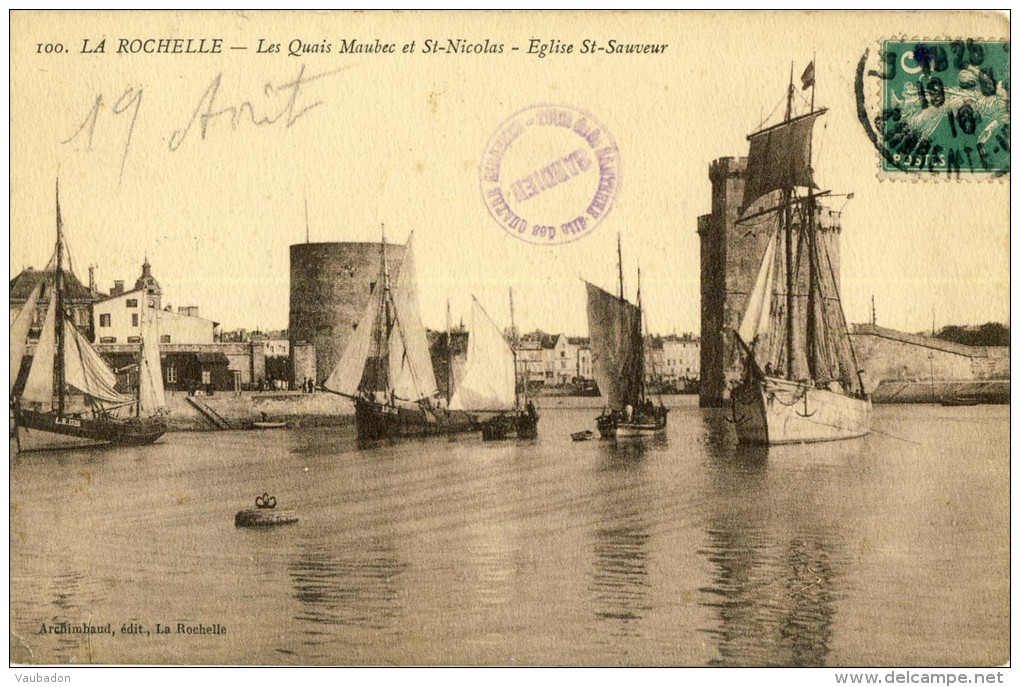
(986, 391)
(889, 356)
(295, 408)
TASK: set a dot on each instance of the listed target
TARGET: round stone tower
(329, 288)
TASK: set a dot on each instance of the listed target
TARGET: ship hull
(378, 421)
(629, 430)
(520, 424)
(39, 431)
(777, 411)
(612, 427)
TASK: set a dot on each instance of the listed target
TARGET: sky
(399, 139)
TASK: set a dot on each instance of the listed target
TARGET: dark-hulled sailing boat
(801, 380)
(618, 359)
(386, 367)
(69, 398)
(490, 386)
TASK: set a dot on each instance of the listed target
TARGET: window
(563, 354)
(164, 338)
(104, 320)
(134, 339)
(131, 302)
(108, 339)
(206, 377)
(134, 320)
(171, 374)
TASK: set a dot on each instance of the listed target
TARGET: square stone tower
(730, 258)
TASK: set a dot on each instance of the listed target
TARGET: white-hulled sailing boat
(801, 380)
(618, 359)
(68, 398)
(386, 367)
(490, 385)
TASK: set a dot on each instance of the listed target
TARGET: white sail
(39, 386)
(19, 332)
(86, 371)
(346, 376)
(758, 314)
(489, 381)
(411, 375)
(151, 396)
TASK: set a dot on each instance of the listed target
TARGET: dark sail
(780, 158)
(616, 346)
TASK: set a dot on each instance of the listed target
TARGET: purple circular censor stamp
(550, 174)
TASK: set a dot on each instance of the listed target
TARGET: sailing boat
(490, 382)
(386, 367)
(801, 380)
(69, 398)
(618, 358)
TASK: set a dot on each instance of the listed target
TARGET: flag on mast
(807, 79)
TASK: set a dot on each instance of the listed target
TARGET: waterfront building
(77, 298)
(673, 362)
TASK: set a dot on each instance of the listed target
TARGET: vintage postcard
(510, 339)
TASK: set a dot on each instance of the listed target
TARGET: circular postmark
(937, 107)
(550, 174)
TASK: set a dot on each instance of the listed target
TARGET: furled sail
(151, 396)
(617, 348)
(86, 371)
(757, 318)
(19, 332)
(39, 385)
(410, 364)
(490, 377)
(346, 377)
(779, 157)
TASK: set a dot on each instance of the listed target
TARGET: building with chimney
(117, 317)
(78, 298)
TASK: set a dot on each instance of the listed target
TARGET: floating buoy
(264, 514)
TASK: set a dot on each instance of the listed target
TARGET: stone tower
(730, 258)
(329, 288)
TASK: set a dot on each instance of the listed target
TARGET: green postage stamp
(945, 107)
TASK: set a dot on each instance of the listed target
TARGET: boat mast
(307, 233)
(58, 366)
(619, 257)
(788, 236)
(141, 360)
(812, 340)
(380, 376)
(449, 356)
(513, 348)
(641, 333)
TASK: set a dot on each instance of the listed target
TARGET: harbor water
(685, 550)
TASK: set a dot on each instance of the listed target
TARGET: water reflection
(66, 590)
(620, 582)
(357, 589)
(773, 579)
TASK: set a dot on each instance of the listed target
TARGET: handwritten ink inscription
(282, 105)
